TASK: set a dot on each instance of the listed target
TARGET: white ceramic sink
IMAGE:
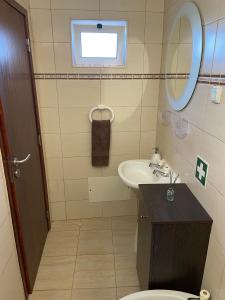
(135, 172)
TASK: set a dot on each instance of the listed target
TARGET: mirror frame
(191, 12)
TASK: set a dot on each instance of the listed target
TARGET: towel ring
(101, 107)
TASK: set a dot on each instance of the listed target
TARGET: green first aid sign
(201, 170)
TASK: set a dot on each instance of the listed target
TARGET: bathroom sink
(135, 172)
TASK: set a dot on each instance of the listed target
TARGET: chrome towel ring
(101, 107)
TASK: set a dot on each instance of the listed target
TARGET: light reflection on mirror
(179, 57)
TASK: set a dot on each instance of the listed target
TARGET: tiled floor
(88, 259)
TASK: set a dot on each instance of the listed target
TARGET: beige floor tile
(55, 273)
(125, 261)
(94, 262)
(95, 242)
(61, 243)
(123, 242)
(51, 295)
(125, 291)
(94, 279)
(124, 223)
(126, 278)
(73, 225)
(96, 224)
(94, 294)
(96, 234)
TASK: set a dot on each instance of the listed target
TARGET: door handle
(17, 162)
(143, 217)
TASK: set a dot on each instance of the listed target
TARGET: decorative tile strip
(106, 76)
(65, 76)
(140, 76)
(222, 81)
(87, 76)
(216, 79)
(47, 76)
(213, 79)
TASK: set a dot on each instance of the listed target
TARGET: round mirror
(183, 56)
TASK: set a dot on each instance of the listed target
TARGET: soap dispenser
(156, 157)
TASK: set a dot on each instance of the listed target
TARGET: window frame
(108, 26)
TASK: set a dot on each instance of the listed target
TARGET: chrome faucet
(153, 165)
(160, 172)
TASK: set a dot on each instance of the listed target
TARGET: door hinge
(47, 215)
(28, 44)
(39, 140)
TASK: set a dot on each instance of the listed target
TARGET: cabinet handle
(144, 217)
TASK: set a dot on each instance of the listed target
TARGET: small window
(99, 43)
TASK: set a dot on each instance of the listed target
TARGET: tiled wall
(11, 286)
(65, 104)
(206, 138)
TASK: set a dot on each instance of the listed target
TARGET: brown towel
(100, 143)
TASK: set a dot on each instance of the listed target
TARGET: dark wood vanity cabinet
(172, 239)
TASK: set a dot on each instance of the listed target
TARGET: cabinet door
(144, 246)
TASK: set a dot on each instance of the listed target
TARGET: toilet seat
(158, 295)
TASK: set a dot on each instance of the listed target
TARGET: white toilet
(159, 295)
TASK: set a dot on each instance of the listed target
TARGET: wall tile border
(213, 79)
(66, 76)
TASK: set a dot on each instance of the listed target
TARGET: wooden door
(20, 141)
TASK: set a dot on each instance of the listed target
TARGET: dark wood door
(21, 139)
(144, 245)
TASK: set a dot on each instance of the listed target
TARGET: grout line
(75, 264)
(101, 113)
(61, 255)
(101, 10)
(79, 106)
(114, 257)
(51, 290)
(142, 83)
(59, 119)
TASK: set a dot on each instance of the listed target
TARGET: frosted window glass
(99, 44)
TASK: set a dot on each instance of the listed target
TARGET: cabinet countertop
(185, 208)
